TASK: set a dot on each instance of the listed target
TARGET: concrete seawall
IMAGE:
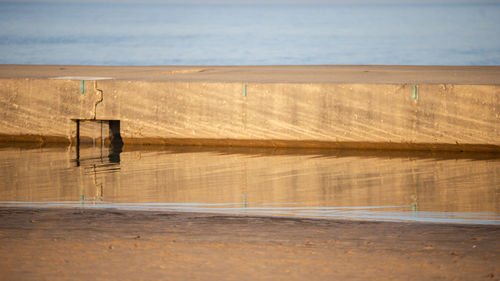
(399, 114)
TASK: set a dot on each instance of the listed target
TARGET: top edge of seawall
(345, 74)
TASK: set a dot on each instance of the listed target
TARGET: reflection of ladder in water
(99, 189)
(99, 194)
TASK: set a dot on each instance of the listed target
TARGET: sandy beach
(82, 244)
(375, 74)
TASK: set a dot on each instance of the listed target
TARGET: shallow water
(359, 185)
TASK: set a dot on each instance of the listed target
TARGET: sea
(250, 33)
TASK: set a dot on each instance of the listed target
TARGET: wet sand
(356, 74)
(94, 244)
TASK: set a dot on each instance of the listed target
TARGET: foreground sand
(84, 244)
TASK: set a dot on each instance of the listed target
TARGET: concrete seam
(101, 97)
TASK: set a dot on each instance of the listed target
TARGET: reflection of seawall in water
(307, 183)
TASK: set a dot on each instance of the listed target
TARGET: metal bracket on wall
(414, 92)
(244, 91)
(82, 87)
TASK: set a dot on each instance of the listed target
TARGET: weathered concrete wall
(450, 117)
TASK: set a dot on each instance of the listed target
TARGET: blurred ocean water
(134, 33)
